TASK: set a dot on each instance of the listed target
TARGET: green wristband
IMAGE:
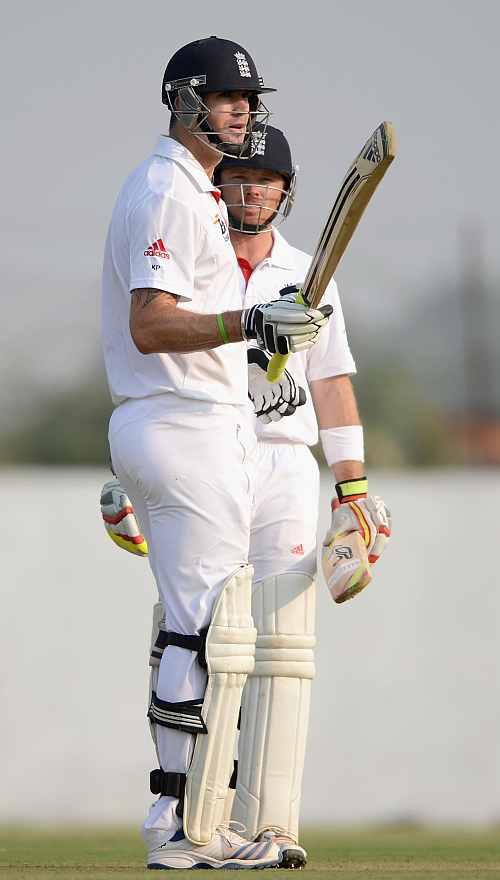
(347, 489)
(222, 328)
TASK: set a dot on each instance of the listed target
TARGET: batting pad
(155, 656)
(230, 655)
(275, 708)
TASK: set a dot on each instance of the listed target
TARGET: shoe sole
(224, 866)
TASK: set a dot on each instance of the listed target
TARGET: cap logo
(242, 63)
(259, 142)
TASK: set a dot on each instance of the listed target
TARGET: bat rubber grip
(277, 364)
(276, 367)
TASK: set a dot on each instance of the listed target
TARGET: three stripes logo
(157, 249)
(185, 715)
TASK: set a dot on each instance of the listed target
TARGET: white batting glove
(119, 519)
(284, 325)
(271, 401)
(358, 534)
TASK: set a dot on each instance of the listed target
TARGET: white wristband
(343, 444)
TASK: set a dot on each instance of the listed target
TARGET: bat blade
(358, 186)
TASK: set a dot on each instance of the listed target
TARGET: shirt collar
(169, 148)
(280, 252)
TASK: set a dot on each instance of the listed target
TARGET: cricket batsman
(182, 445)
(259, 194)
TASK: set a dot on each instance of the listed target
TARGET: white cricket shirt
(169, 231)
(330, 356)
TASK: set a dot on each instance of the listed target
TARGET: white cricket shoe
(292, 855)
(226, 850)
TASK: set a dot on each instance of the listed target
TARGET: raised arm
(156, 325)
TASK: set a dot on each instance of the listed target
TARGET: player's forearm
(185, 332)
(157, 326)
(347, 470)
(334, 402)
(336, 408)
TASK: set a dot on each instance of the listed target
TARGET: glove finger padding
(367, 515)
(271, 401)
(382, 516)
(281, 326)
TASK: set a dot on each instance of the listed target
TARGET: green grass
(384, 854)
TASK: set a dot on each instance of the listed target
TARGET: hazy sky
(81, 105)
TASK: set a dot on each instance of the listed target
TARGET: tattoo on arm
(143, 297)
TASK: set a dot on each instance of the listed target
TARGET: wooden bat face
(357, 188)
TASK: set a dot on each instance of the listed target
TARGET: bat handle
(277, 364)
(276, 367)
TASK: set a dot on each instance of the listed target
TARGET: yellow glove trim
(137, 549)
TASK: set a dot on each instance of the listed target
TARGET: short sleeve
(164, 237)
(331, 356)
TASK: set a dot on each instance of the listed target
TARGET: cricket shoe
(292, 855)
(226, 850)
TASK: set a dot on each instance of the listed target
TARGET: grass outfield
(385, 854)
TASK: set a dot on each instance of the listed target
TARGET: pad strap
(234, 776)
(190, 643)
(185, 715)
(172, 784)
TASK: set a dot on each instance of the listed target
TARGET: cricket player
(259, 194)
(181, 441)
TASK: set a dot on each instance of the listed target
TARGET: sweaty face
(229, 115)
(252, 196)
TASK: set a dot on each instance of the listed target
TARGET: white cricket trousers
(187, 467)
(284, 510)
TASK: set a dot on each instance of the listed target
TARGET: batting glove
(284, 325)
(271, 401)
(357, 537)
(119, 519)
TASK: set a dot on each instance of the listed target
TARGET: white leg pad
(155, 656)
(230, 654)
(275, 707)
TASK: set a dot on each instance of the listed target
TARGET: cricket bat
(357, 188)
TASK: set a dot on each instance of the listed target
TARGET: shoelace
(228, 829)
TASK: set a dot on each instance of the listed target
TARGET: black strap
(172, 784)
(190, 643)
(185, 715)
(234, 776)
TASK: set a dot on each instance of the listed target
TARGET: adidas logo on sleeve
(157, 249)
